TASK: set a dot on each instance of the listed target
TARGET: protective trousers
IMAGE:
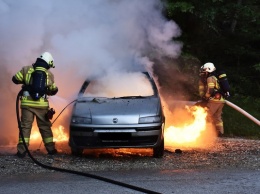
(215, 111)
(44, 125)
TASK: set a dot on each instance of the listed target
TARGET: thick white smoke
(86, 38)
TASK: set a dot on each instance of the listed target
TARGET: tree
(224, 32)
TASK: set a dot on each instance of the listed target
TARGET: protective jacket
(208, 88)
(24, 77)
(35, 108)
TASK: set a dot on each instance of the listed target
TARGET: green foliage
(236, 124)
(181, 7)
(217, 28)
(257, 67)
(226, 33)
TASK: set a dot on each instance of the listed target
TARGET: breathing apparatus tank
(224, 84)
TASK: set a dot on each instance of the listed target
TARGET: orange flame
(189, 132)
(188, 128)
(35, 135)
(59, 135)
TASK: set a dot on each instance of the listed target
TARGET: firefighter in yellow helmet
(33, 105)
(209, 92)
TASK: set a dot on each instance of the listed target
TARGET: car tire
(76, 151)
(158, 151)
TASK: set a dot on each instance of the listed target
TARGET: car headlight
(81, 120)
(153, 119)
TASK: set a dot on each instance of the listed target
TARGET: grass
(238, 125)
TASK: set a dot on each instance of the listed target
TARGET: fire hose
(203, 104)
(243, 112)
(67, 170)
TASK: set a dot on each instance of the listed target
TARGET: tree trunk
(234, 22)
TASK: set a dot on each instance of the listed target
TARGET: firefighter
(209, 91)
(31, 108)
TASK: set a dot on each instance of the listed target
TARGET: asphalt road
(231, 166)
(164, 181)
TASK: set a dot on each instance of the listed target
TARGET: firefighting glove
(49, 114)
(50, 92)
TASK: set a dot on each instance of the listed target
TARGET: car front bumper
(100, 136)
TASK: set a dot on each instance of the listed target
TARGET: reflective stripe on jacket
(207, 89)
(28, 101)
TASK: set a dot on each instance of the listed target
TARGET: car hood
(123, 111)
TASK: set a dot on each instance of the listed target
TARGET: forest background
(226, 33)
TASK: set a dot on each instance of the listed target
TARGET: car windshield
(131, 84)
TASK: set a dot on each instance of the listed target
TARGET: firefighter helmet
(208, 67)
(46, 56)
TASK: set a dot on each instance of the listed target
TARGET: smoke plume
(86, 38)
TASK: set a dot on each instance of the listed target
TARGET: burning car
(127, 114)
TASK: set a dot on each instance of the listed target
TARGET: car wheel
(158, 151)
(76, 151)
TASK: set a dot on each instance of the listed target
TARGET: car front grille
(115, 140)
